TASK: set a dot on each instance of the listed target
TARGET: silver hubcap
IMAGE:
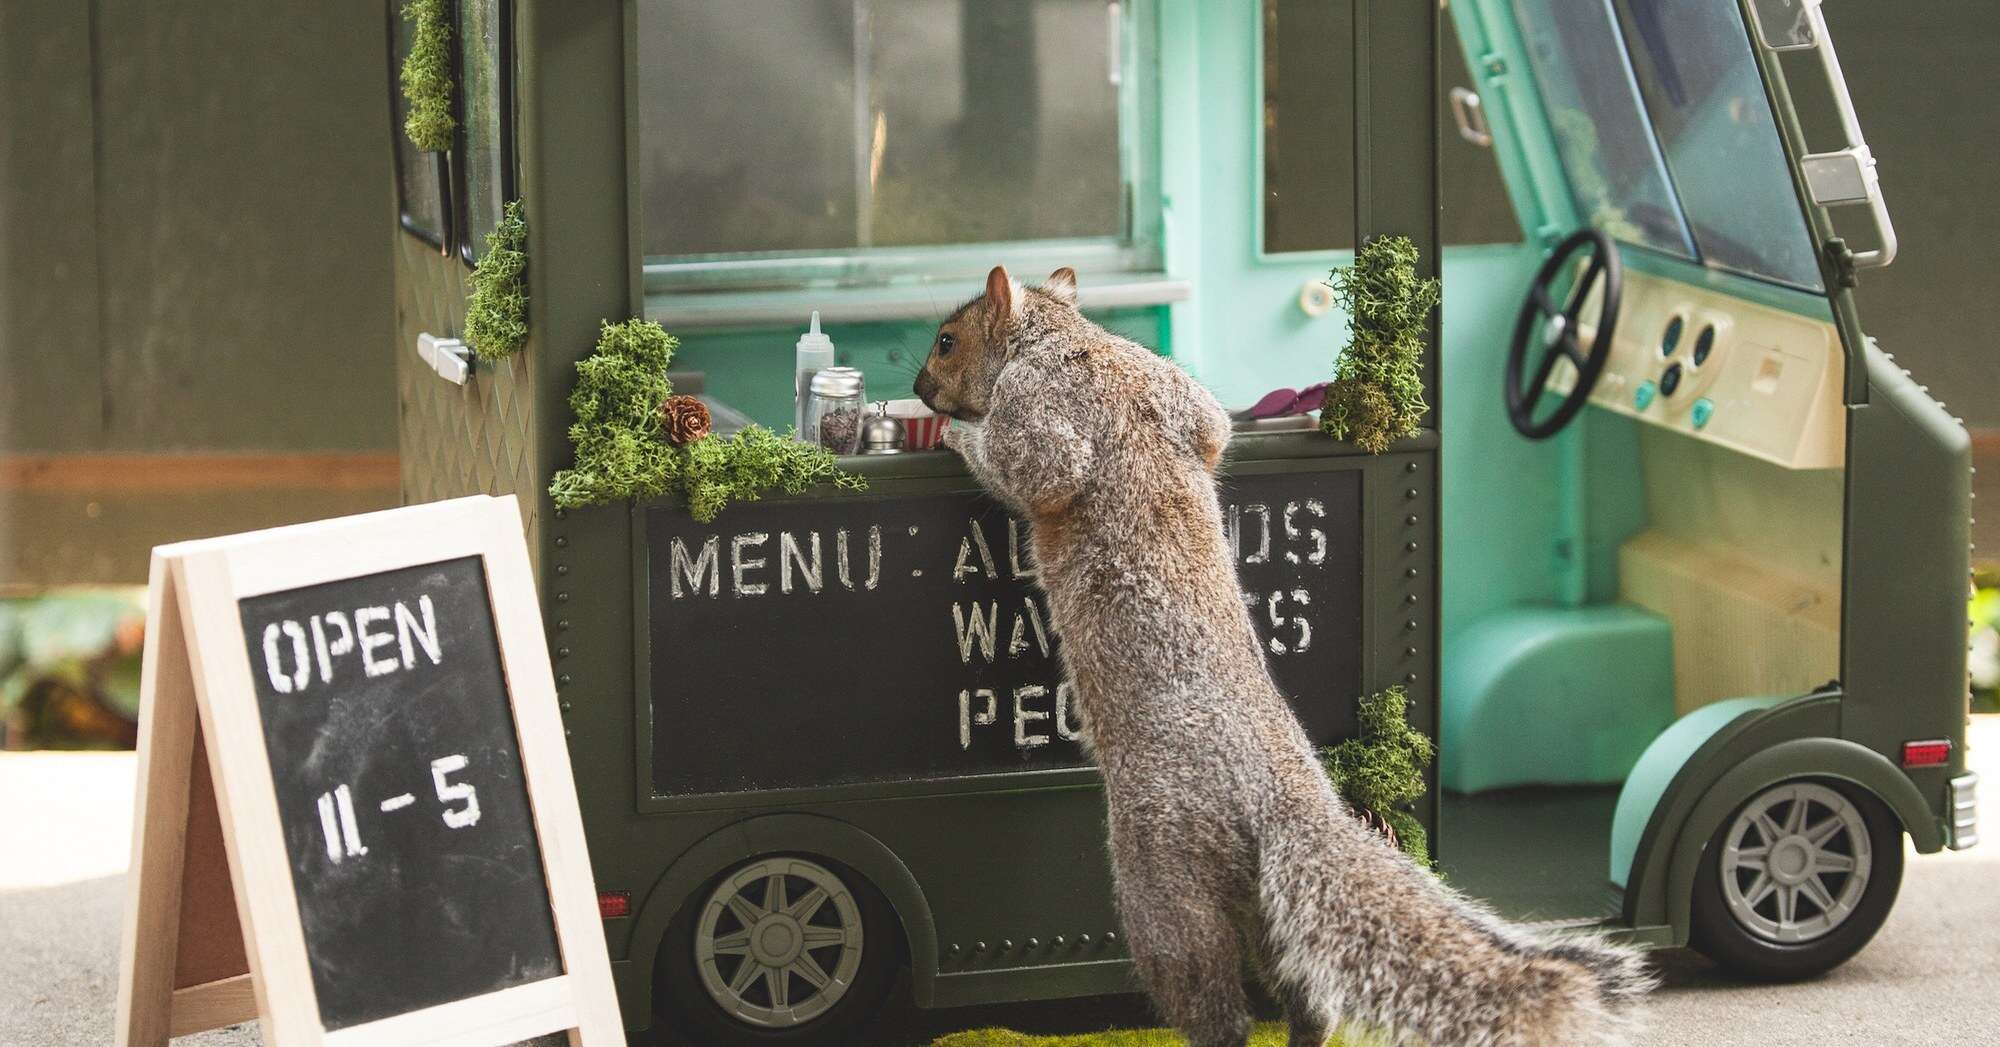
(1795, 863)
(779, 942)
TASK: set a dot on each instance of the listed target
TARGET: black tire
(687, 1011)
(1719, 934)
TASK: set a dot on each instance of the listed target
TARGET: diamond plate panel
(459, 440)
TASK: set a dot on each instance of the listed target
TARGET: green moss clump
(496, 317)
(426, 76)
(753, 461)
(620, 453)
(1382, 770)
(1377, 393)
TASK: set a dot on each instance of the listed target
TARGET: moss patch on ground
(621, 453)
(1267, 1034)
(1377, 393)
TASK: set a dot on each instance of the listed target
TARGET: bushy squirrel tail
(1358, 936)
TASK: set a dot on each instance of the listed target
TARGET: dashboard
(1749, 377)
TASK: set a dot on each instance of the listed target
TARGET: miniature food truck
(1671, 571)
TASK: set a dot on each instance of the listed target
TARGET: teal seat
(1554, 696)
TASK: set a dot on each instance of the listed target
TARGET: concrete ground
(1928, 978)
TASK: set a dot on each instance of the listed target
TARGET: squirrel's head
(974, 342)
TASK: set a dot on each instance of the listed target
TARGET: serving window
(786, 142)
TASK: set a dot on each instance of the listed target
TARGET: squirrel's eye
(945, 344)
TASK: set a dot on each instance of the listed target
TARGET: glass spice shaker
(833, 413)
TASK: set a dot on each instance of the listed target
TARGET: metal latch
(451, 358)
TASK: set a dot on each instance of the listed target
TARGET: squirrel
(1227, 841)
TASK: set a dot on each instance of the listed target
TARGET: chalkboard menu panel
(815, 643)
(400, 790)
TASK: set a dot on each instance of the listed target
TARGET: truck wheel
(1797, 880)
(782, 949)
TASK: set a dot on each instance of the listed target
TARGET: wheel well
(823, 839)
(1826, 759)
(854, 878)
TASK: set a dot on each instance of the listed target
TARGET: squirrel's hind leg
(1190, 958)
(1309, 1023)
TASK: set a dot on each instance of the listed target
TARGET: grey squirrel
(1227, 841)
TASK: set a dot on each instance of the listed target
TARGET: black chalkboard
(920, 648)
(400, 790)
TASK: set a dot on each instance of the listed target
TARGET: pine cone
(1378, 823)
(683, 419)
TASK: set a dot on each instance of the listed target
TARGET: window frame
(460, 138)
(392, 23)
(1137, 250)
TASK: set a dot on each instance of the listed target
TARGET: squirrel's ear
(1003, 296)
(1061, 286)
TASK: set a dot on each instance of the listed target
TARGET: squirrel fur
(1228, 844)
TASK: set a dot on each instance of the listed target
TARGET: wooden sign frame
(198, 698)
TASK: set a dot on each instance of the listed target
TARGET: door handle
(451, 358)
(1470, 115)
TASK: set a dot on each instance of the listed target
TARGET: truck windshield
(1666, 134)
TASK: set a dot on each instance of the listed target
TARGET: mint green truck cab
(1673, 571)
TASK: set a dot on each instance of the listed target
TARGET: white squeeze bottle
(815, 352)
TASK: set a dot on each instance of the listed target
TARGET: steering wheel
(1555, 331)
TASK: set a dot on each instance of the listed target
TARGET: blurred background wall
(194, 275)
(195, 227)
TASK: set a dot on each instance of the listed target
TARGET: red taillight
(1926, 754)
(613, 904)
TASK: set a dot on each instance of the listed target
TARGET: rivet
(1034, 943)
(1411, 494)
(567, 733)
(1411, 520)
(1059, 941)
(563, 705)
(1006, 945)
(957, 948)
(562, 514)
(1409, 467)
(1083, 939)
(562, 597)
(978, 946)
(562, 568)
(1410, 572)
(1410, 599)
(1411, 625)
(562, 542)
(1409, 677)
(1410, 652)
(1410, 547)
(562, 652)
(562, 623)
(1110, 937)
(563, 680)
(1496, 67)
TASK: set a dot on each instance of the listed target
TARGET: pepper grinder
(881, 434)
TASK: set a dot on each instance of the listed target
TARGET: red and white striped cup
(922, 429)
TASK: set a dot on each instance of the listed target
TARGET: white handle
(451, 358)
